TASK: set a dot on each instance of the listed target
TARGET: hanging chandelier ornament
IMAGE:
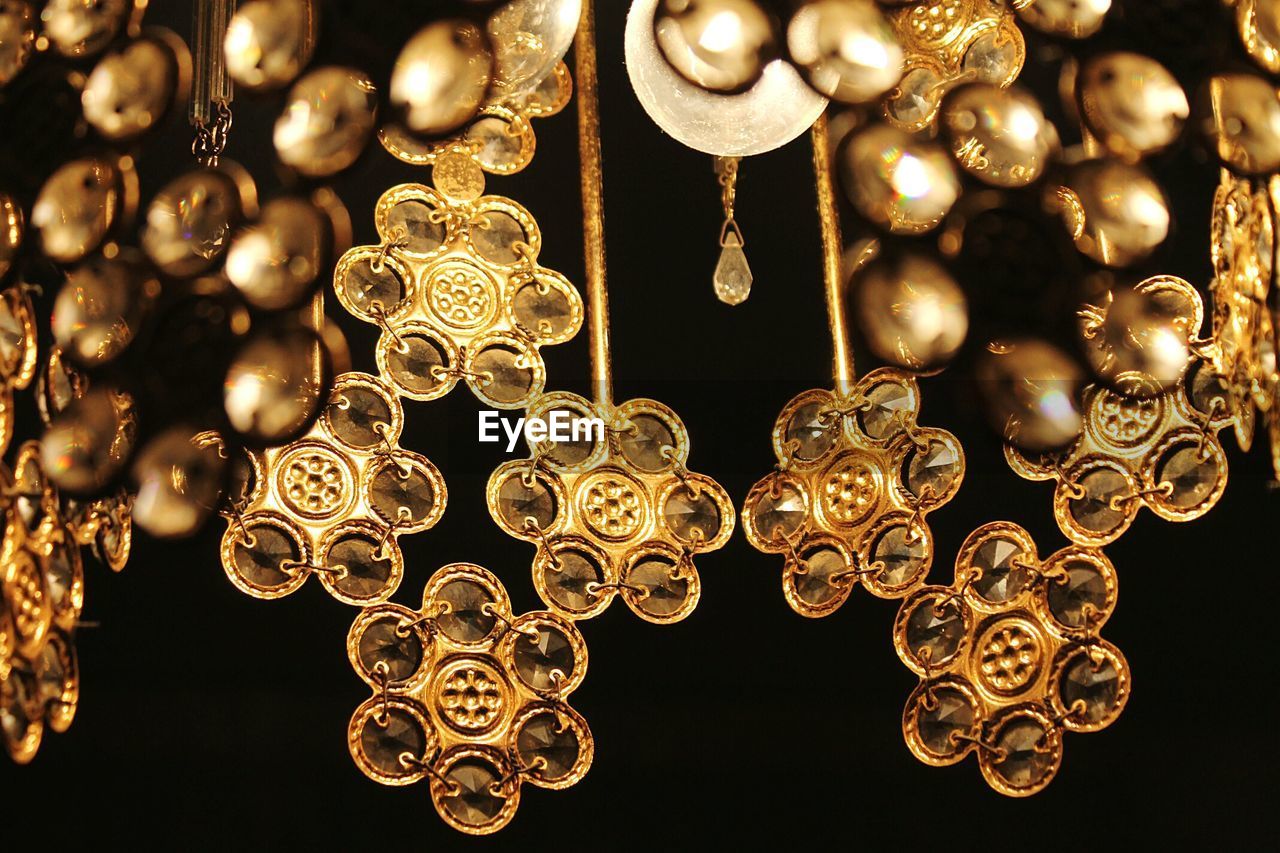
(616, 513)
(469, 697)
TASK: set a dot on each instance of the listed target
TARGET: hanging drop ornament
(732, 279)
(615, 512)
(856, 475)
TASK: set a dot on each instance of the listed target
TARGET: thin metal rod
(593, 203)
(832, 251)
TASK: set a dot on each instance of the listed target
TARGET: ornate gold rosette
(333, 503)
(613, 513)
(1009, 658)
(469, 696)
(855, 480)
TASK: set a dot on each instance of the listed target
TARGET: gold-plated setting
(856, 476)
(1160, 451)
(470, 697)
(42, 584)
(18, 354)
(848, 501)
(949, 42)
(614, 512)
(333, 503)
(459, 294)
(1009, 658)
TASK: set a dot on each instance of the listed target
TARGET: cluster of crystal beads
(614, 511)
(332, 503)
(1009, 658)
(42, 585)
(459, 294)
(1246, 327)
(949, 42)
(469, 696)
(848, 501)
(18, 354)
(500, 140)
(1159, 449)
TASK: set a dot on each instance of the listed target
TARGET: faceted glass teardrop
(543, 736)
(733, 276)
(383, 744)
(386, 642)
(465, 620)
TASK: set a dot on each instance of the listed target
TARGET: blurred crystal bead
(89, 442)
(529, 37)
(179, 483)
(276, 261)
(1031, 390)
(1131, 103)
(189, 222)
(275, 385)
(910, 310)
(441, 77)
(1115, 212)
(845, 49)
(999, 136)
(326, 121)
(78, 28)
(17, 37)
(101, 306)
(1138, 340)
(896, 181)
(78, 206)
(1072, 18)
(128, 92)
(269, 42)
(718, 45)
(1245, 122)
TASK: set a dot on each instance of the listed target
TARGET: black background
(209, 719)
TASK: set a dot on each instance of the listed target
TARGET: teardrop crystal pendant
(733, 273)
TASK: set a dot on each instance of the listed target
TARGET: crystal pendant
(733, 273)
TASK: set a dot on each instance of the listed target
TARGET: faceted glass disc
(518, 501)
(495, 235)
(262, 562)
(567, 584)
(1094, 512)
(368, 568)
(383, 745)
(415, 223)
(470, 799)
(1081, 586)
(396, 498)
(385, 641)
(1027, 762)
(1193, 479)
(902, 553)
(935, 630)
(691, 517)
(951, 715)
(355, 415)
(644, 442)
(510, 377)
(412, 368)
(538, 658)
(889, 405)
(466, 620)
(816, 585)
(934, 469)
(372, 292)
(1097, 685)
(544, 310)
(780, 516)
(810, 433)
(664, 593)
(544, 737)
(1003, 577)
